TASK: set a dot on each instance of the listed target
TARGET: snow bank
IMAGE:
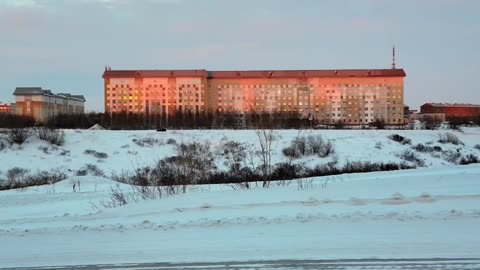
(417, 213)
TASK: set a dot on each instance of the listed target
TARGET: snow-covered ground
(124, 154)
(423, 213)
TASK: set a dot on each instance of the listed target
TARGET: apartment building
(42, 104)
(353, 97)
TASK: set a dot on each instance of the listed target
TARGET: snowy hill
(128, 150)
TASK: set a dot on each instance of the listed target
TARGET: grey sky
(63, 45)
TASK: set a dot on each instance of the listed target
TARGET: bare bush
(17, 135)
(53, 136)
(96, 154)
(449, 137)
(477, 146)
(2, 145)
(311, 145)
(15, 177)
(400, 139)
(452, 156)
(426, 148)
(234, 154)
(469, 159)
(89, 152)
(194, 163)
(304, 183)
(118, 197)
(22, 178)
(412, 157)
(171, 141)
(146, 142)
(100, 155)
(90, 169)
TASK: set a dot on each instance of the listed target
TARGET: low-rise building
(452, 111)
(42, 104)
(5, 108)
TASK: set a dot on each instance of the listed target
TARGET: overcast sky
(64, 45)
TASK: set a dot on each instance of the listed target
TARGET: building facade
(353, 97)
(42, 104)
(452, 111)
(5, 108)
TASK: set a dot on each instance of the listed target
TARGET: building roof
(20, 91)
(339, 73)
(38, 91)
(457, 105)
(154, 73)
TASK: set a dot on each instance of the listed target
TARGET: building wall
(354, 101)
(452, 111)
(155, 95)
(5, 108)
(43, 107)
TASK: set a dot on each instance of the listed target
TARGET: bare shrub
(146, 142)
(470, 158)
(89, 152)
(378, 145)
(234, 154)
(64, 152)
(125, 146)
(171, 141)
(317, 145)
(22, 178)
(426, 148)
(44, 149)
(400, 139)
(96, 154)
(304, 183)
(452, 156)
(412, 157)
(17, 135)
(46, 177)
(100, 155)
(2, 145)
(311, 145)
(477, 146)
(90, 169)
(15, 176)
(53, 136)
(449, 137)
(194, 163)
(118, 197)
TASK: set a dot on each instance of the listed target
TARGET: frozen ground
(423, 213)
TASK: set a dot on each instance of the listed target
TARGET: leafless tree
(266, 139)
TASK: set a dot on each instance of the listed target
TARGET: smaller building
(42, 104)
(5, 108)
(452, 111)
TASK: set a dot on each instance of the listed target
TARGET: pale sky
(64, 45)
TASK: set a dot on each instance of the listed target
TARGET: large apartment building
(354, 97)
(42, 104)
